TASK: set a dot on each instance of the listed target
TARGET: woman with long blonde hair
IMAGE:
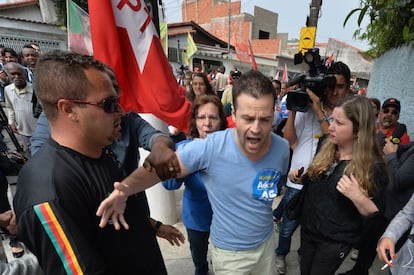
(346, 182)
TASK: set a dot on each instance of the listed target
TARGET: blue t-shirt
(240, 191)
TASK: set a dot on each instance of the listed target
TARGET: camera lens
(297, 101)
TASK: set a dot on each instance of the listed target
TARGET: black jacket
(401, 166)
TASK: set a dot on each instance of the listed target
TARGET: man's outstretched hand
(111, 209)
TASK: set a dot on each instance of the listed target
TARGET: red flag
(329, 60)
(285, 77)
(128, 42)
(242, 52)
(254, 65)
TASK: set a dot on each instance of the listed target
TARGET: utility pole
(308, 33)
(178, 52)
(228, 41)
(314, 13)
(185, 11)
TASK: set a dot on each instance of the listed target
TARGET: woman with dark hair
(200, 127)
(207, 117)
(199, 86)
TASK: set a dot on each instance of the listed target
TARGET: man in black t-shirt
(61, 187)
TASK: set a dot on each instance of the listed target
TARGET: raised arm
(289, 132)
(349, 187)
(113, 207)
(316, 106)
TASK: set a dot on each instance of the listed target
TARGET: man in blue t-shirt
(240, 168)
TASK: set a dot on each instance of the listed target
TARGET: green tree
(391, 24)
(61, 9)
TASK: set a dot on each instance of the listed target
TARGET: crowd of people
(348, 158)
(16, 103)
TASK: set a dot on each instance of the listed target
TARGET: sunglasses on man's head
(387, 111)
(108, 105)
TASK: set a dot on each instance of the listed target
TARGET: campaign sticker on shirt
(264, 186)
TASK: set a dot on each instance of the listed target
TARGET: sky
(292, 17)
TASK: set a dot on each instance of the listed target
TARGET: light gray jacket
(403, 221)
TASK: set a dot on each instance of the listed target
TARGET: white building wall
(392, 76)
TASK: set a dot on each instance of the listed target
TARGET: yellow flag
(164, 37)
(191, 48)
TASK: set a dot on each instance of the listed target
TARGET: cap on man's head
(392, 102)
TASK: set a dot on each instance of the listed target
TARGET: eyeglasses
(387, 111)
(109, 105)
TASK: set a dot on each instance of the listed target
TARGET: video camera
(316, 80)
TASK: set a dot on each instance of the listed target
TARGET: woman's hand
(349, 187)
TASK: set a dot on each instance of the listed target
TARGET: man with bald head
(18, 106)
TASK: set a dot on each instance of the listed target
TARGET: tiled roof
(26, 20)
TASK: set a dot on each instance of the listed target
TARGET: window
(263, 35)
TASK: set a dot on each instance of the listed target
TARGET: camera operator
(303, 131)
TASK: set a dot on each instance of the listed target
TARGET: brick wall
(266, 48)
(203, 11)
(212, 15)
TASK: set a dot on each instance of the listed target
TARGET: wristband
(157, 226)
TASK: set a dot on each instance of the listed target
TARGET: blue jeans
(199, 246)
(288, 226)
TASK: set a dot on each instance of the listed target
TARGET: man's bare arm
(113, 207)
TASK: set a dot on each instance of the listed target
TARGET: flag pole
(161, 202)
(228, 41)
(67, 22)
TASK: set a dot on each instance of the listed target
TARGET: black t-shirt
(329, 214)
(59, 191)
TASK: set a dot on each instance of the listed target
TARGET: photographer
(303, 131)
